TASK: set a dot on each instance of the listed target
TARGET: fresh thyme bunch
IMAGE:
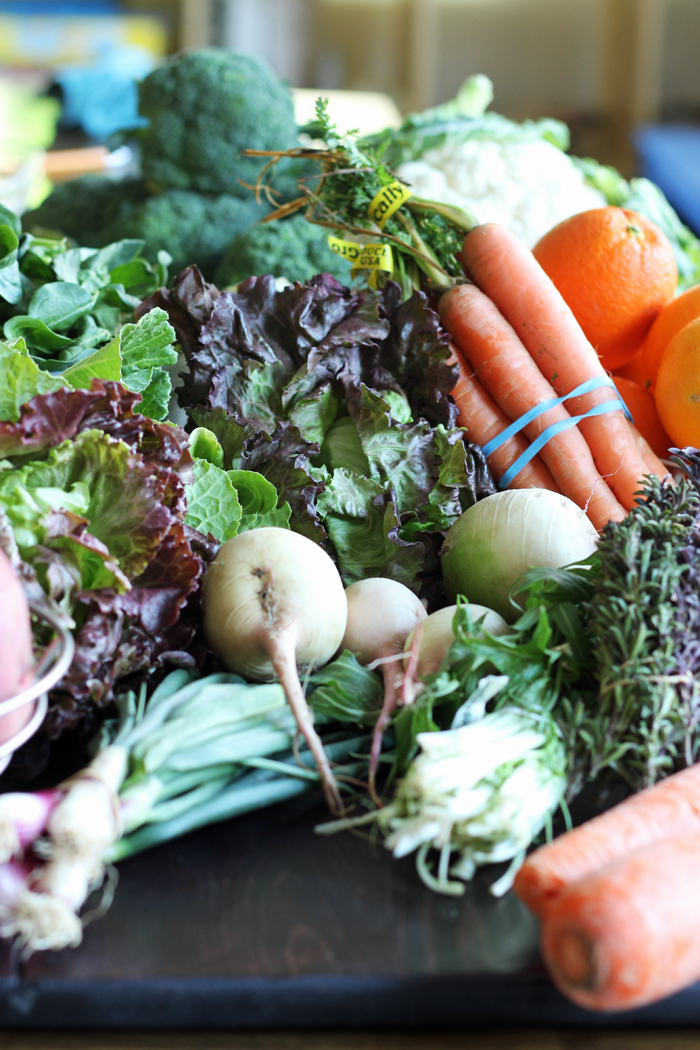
(425, 236)
(642, 622)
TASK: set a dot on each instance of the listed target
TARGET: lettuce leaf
(92, 511)
(340, 399)
(21, 379)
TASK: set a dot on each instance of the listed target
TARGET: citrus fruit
(674, 316)
(616, 270)
(641, 404)
(677, 390)
(636, 370)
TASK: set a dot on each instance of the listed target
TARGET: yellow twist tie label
(388, 200)
(372, 257)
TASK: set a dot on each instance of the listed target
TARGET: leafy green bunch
(68, 314)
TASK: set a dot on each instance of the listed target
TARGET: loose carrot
(669, 808)
(504, 268)
(630, 933)
(508, 373)
(483, 420)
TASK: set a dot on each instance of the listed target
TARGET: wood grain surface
(263, 896)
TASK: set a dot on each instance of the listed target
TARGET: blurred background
(624, 74)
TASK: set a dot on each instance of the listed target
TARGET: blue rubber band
(550, 432)
(552, 402)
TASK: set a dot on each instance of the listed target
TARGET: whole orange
(677, 390)
(636, 370)
(645, 414)
(674, 316)
(616, 270)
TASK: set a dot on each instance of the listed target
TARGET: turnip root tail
(282, 654)
(390, 673)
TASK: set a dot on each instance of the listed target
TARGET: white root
(88, 820)
(41, 922)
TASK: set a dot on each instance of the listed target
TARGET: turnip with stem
(274, 603)
(381, 615)
(437, 635)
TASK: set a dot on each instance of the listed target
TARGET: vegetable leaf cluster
(339, 398)
(92, 514)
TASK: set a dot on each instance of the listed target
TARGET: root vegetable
(274, 600)
(381, 615)
(437, 635)
(16, 653)
(498, 539)
(628, 934)
(23, 818)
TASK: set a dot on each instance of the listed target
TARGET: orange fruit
(616, 270)
(645, 414)
(674, 316)
(677, 390)
(636, 370)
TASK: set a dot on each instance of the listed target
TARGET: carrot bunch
(618, 900)
(518, 344)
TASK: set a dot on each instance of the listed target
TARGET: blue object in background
(670, 157)
(103, 98)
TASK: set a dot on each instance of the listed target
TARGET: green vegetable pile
(340, 399)
(68, 317)
(193, 199)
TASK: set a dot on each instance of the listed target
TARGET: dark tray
(258, 923)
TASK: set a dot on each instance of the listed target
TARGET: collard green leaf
(36, 334)
(10, 280)
(60, 304)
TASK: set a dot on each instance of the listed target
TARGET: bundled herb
(423, 236)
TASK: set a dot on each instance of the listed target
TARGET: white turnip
(381, 615)
(437, 635)
(499, 538)
(273, 602)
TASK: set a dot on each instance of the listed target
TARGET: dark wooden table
(258, 924)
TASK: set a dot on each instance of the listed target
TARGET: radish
(16, 651)
(437, 635)
(23, 818)
(273, 599)
(40, 921)
(499, 538)
(381, 615)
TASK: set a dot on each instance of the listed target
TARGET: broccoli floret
(190, 227)
(291, 248)
(85, 208)
(204, 107)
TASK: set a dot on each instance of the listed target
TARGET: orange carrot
(483, 420)
(630, 933)
(669, 808)
(504, 268)
(508, 373)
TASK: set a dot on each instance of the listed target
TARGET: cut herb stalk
(425, 236)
